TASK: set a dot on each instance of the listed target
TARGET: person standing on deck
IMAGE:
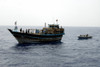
(20, 29)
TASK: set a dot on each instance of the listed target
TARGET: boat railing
(31, 31)
(40, 31)
(85, 35)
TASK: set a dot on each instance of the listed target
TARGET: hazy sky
(37, 12)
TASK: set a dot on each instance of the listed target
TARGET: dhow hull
(33, 38)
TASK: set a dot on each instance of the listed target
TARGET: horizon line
(47, 26)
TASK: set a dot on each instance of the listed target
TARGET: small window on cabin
(54, 26)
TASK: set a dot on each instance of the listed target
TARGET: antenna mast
(57, 21)
(45, 24)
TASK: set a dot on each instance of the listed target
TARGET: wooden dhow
(52, 33)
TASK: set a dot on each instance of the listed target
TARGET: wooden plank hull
(33, 38)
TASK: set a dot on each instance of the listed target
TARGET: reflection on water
(25, 47)
(51, 43)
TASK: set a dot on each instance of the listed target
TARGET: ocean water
(71, 52)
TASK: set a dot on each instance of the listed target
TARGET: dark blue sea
(71, 52)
